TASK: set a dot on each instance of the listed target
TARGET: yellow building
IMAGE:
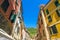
(52, 17)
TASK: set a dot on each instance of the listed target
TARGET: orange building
(41, 30)
(9, 8)
(9, 13)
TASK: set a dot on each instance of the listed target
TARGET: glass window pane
(47, 11)
(54, 29)
(57, 3)
(12, 16)
(5, 5)
(58, 12)
(49, 19)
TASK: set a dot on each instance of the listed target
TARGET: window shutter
(12, 16)
(57, 3)
(58, 12)
(49, 18)
(47, 11)
(54, 30)
(5, 5)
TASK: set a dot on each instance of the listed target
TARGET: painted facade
(51, 12)
(10, 17)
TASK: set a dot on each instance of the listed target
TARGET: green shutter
(47, 11)
(49, 28)
(57, 3)
(50, 31)
(58, 12)
(54, 29)
(49, 19)
(5, 5)
(13, 17)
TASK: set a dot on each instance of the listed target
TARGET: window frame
(12, 15)
(5, 5)
(49, 19)
(52, 30)
(47, 11)
(57, 3)
(57, 11)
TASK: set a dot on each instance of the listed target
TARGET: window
(54, 30)
(49, 18)
(5, 5)
(57, 3)
(47, 11)
(58, 12)
(12, 17)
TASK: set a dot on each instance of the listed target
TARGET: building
(51, 18)
(40, 28)
(10, 18)
(25, 34)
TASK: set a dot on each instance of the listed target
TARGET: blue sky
(31, 10)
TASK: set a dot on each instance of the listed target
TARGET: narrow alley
(20, 21)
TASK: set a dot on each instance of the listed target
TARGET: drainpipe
(45, 25)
